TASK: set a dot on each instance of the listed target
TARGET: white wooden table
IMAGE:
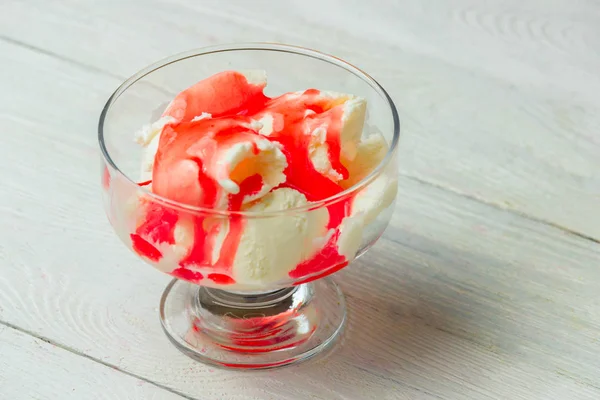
(485, 286)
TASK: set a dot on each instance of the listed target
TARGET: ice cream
(296, 235)
(204, 162)
(223, 145)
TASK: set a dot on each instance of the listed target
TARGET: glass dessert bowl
(250, 195)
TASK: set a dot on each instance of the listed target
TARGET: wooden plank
(32, 369)
(459, 299)
(498, 100)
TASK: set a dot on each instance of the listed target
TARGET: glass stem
(234, 304)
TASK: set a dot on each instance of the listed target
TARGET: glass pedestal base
(253, 330)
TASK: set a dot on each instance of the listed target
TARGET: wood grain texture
(64, 375)
(498, 100)
(459, 300)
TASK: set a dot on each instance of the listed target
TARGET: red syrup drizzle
(224, 94)
(202, 249)
(158, 227)
(303, 177)
(199, 254)
(300, 175)
(187, 274)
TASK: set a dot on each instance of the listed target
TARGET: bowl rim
(253, 46)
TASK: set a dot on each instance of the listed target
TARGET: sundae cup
(250, 174)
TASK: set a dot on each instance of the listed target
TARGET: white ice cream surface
(374, 198)
(272, 247)
(350, 236)
(318, 152)
(370, 152)
(148, 132)
(240, 161)
(255, 76)
(353, 118)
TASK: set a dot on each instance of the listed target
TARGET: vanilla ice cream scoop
(272, 247)
(205, 162)
(369, 153)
